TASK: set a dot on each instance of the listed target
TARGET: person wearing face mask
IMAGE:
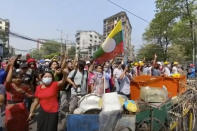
(16, 113)
(107, 77)
(97, 81)
(47, 96)
(116, 74)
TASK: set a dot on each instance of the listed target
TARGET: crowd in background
(54, 85)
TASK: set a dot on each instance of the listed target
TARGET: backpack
(69, 86)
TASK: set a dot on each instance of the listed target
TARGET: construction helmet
(176, 63)
(166, 63)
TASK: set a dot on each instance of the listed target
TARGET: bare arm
(155, 59)
(33, 107)
(124, 72)
(62, 82)
(91, 67)
(10, 71)
(71, 82)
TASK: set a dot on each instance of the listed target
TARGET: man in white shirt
(174, 68)
(166, 70)
(116, 74)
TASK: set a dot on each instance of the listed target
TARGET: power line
(146, 21)
(23, 37)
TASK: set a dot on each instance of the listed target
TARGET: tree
(148, 51)
(50, 47)
(71, 52)
(36, 54)
(173, 22)
(48, 50)
(177, 53)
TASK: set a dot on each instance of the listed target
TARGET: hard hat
(136, 64)
(166, 63)
(141, 63)
(176, 63)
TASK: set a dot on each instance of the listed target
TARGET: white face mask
(105, 69)
(47, 80)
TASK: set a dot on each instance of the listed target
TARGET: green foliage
(71, 52)
(148, 51)
(36, 54)
(173, 24)
(48, 50)
(176, 53)
(50, 47)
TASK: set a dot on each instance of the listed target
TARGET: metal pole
(61, 43)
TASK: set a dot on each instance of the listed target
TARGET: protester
(107, 77)
(135, 69)
(16, 113)
(124, 81)
(175, 68)
(98, 81)
(78, 79)
(166, 70)
(55, 68)
(46, 95)
(116, 75)
(191, 71)
(2, 98)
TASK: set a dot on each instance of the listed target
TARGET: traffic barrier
(175, 86)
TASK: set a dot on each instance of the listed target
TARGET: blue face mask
(47, 80)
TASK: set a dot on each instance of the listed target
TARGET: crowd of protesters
(27, 85)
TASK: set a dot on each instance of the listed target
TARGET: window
(91, 36)
(95, 36)
(90, 40)
(0, 22)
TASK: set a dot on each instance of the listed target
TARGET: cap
(47, 60)
(159, 63)
(31, 60)
(87, 62)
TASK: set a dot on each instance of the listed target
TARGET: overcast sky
(42, 18)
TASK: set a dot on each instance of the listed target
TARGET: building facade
(87, 42)
(4, 37)
(108, 25)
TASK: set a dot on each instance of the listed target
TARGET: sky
(43, 19)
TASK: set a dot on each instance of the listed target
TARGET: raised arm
(123, 73)
(64, 78)
(10, 71)
(155, 59)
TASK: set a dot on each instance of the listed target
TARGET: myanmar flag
(112, 46)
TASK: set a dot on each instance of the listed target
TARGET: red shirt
(48, 97)
(13, 95)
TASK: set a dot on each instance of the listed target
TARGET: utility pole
(61, 40)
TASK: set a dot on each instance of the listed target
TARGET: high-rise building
(4, 36)
(109, 24)
(87, 42)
